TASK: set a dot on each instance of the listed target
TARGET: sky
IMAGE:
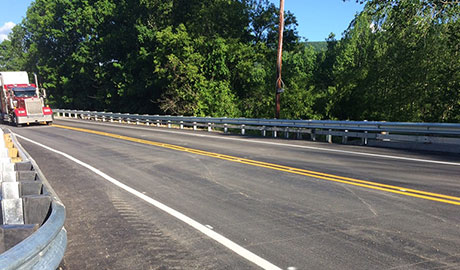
(12, 13)
(316, 18)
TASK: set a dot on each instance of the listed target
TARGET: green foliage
(264, 24)
(319, 46)
(398, 61)
(13, 54)
(196, 83)
(298, 98)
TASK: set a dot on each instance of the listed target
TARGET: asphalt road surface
(157, 198)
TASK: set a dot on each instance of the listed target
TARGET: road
(287, 203)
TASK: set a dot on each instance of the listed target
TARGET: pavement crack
(363, 201)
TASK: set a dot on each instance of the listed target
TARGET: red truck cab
(21, 102)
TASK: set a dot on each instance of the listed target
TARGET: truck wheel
(15, 121)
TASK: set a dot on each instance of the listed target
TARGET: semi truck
(22, 102)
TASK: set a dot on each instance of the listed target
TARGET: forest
(399, 60)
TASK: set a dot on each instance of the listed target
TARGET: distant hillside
(318, 45)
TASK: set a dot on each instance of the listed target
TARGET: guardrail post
(194, 125)
(111, 119)
(364, 139)
(225, 128)
(329, 137)
(243, 130)
(275, 133)
(103, 118)
(345, 137)
(313, 135)
(158, 123)
(209, 127)
(147, 122)
(137, 121)
(119, 120)
(286, 133)
(169, 123)
(264, 131)
(181, 123)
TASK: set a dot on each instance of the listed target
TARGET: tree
(398, 60)
(393, 62)
(264, 25)
(13, 51)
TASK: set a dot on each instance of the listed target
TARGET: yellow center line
(318, 175)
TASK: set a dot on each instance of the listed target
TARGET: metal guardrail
(445, 133)
(45, 248)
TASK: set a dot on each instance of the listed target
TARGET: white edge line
(279, 144)
(248, 255)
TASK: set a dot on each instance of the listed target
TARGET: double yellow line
(324, 176)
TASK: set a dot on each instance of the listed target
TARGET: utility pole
(279, 81)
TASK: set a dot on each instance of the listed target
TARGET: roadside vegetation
(399, 60)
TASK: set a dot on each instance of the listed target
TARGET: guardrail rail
(426, 133)
(32, 233)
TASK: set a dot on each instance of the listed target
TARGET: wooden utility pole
(279, 81)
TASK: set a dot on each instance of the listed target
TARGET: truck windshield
(24, 91)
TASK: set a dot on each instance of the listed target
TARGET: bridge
(148, 197)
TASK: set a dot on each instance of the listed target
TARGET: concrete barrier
(32, 233)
